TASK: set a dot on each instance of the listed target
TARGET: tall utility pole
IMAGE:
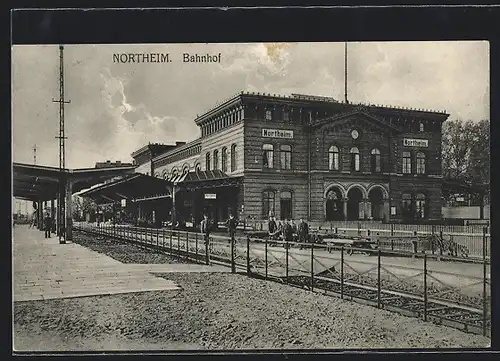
(345, 73)
(62, 152)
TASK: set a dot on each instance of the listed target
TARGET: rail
(436, 288)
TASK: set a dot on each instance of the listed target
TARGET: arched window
(234, 165)
(268, 155)
(420, 163)
(224, 159)
(355, 159)
(268, 203)
(197, 168)
(269, 114)
(164, 174)
(406, 206)
(286, 156)
(421, 126)
(406, 162)
(185, 170)
(375, 161)
(207, 161)
(216, 159)
(333, 158)
(420, 209)
(285, 205)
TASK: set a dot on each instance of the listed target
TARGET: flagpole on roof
(345, 73)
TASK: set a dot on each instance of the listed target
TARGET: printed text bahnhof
(165, 58)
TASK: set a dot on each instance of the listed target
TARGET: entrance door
(353, 210)
(334, 211)
(376, 200)
(286, 205)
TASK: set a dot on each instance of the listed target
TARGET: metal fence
(472, 237)
(442, 289)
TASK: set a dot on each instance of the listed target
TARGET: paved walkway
(44, 269)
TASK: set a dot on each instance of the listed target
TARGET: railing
(472, 237)
(440, 288)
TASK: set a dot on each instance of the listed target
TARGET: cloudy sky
(117, 108)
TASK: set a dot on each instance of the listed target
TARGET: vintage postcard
(245, 196)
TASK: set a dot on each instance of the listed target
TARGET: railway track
(466, 317)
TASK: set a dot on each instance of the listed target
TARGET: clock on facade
(354, 134)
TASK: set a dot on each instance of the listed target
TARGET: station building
(301, 156)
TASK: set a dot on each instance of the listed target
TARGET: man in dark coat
(287, 231)
(303, 231)
(47, 225)
(205, 228)
(231, 225)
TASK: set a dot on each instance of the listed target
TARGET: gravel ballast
(217, 311)
(222, 311)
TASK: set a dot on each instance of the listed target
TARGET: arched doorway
(354, 198)
(334, 211)
(376, 198)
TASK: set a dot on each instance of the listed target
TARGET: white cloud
(117, 108)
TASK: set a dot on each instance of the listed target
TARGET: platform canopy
(208, 179)
(42, 183)
(34, 182)
(132, 187)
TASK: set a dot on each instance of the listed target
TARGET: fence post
(157, 237)
(392, 229)
(163, 238)
(441, 243)
(485, 306)
(425, 287)
(171, 246)
(207, 250)
(312, 267)
(248, 255)
(378, 279)
(265, 256)
(286, 261)
(233, 265)
(196, 246)
(359, 228)
(187, 245)
(342, 272)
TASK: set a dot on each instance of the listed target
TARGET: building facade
(308, 157)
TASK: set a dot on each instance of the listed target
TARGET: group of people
(206, 226)
(288, 229)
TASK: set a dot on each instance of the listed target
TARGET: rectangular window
(406, 163)
(286, 115)
(286, 157)
(269, 115)
(268, 156)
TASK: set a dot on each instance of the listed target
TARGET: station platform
(44, 269)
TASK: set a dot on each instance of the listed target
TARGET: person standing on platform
(231, 225)
(287, 231)
(272, 227)
(205, 228)
(47, 225)
(303, 231)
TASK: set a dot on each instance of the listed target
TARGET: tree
(466, 151)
